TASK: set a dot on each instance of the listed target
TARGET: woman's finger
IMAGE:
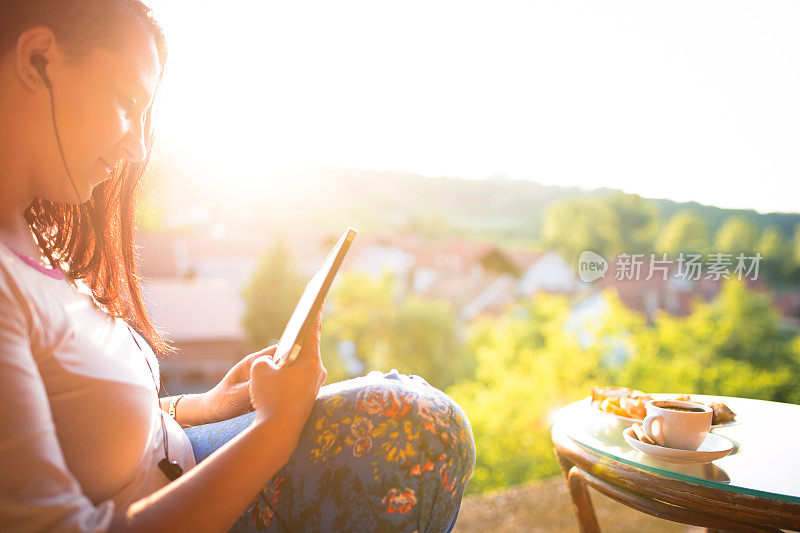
(269, 350)
(247, 363)
(266, 351)
(263, 363)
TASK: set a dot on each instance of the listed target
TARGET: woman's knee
(402, 426)
(386, 452)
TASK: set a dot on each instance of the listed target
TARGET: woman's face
(100, 108)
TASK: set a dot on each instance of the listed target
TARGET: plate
(625, 421)
(713, 447)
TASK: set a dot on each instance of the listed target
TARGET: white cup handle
(648, 424)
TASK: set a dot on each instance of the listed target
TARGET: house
(665, 287)
(194, 292)
(664, 290)
(543, 271)
(375, 254)
(474, 277)
(233, 258)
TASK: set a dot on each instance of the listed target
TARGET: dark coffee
(683, 409)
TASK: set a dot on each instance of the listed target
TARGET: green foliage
(617, 222)
(271, 295)
(412, 334)
(796, 245)
(512, 372)
(540, 356)
(777, 263)
(736, 235)
(530, 362)
(424, 340)
(685, 232)
(359, 309)
(733, 346)
(636, 221)
(572, 226)
(608, 225)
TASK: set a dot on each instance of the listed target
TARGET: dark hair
(95, 241)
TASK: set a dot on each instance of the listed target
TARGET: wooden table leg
(581, 503)
(579, 496)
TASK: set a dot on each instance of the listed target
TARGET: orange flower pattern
(361, 429)
(399, 501)
(261, 508)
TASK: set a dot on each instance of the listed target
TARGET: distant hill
(500, 209)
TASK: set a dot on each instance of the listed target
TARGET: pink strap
(56, 273)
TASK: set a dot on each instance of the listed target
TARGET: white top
(80, 436)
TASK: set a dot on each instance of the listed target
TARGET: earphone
(171, 469)
(39, 62)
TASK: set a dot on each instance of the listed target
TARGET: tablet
(311, 301)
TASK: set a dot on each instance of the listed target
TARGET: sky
(686, 100)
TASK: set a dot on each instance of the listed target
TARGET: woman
(85, 443)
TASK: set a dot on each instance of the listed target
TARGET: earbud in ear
(39, 62)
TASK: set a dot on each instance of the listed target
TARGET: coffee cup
(677, 424)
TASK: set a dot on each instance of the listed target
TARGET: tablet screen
(310, 302)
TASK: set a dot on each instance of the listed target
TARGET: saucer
(713, 447)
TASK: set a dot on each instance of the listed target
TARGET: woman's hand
(285, 395)
(231, 396)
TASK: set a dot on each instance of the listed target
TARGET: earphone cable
(61, 148)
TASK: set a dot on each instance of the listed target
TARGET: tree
(359, 310)
(530, 362)
(777, 263)
(736, 235)
(636, 221)
(796, 242)
(732, 346)
(572, 226)
(413, 335)
(685, 232)
(542, 355)
(424, 339)
(271, 295)
(608, 225)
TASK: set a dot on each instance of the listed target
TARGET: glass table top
(765, 460)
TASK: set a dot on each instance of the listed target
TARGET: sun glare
(624, 94)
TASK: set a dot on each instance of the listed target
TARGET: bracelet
(173, 405)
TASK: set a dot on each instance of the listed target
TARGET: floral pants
(384, 452)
